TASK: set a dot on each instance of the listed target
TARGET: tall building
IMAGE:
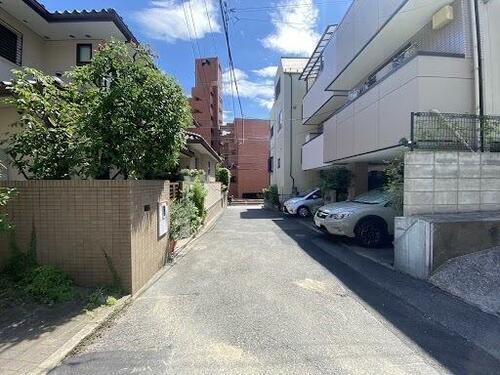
(245, 148)
(365, 79)
(288, 134)
(206, 100)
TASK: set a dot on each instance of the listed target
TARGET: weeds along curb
(85, 333)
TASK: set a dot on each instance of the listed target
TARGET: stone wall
(77, 222)
(451, 182)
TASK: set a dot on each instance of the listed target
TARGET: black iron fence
(455, 132)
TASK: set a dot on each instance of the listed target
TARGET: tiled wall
(451, 182)
(77, 221)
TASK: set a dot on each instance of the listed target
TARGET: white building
(387, 59)
(287, 132)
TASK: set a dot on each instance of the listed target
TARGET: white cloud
(166, 19)
(260, 91)
(267, 72)
(294, 24)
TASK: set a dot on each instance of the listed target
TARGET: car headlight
(340, 216)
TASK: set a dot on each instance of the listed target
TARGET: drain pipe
(478, 65)
(291, 132)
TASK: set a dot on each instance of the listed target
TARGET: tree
(119, 114)
(223, 175)
(134, 115)
(43, 144)
(337, 179)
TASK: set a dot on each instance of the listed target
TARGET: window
(83, 54)
(277, 89)
(271, 164)
(11, 44)
(272, 131)
(279, 163)
(233, 179)
(280, 120)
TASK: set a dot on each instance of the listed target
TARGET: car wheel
(371, 233)
(303, 212)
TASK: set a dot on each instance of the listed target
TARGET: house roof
(37, 17)
(196, 139)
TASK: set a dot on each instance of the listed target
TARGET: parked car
(304, 205)
(369, 218)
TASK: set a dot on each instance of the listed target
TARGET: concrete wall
(77, 221)
(424, 243)
(382, 116)
(312, 154)
(451, 182)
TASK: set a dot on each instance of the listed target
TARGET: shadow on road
(449, 349)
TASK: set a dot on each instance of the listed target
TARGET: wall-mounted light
(443, 17)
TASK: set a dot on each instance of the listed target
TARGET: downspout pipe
(477, 54)
(291, 132)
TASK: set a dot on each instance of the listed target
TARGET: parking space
(383, 255)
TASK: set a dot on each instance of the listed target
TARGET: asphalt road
(265, 294)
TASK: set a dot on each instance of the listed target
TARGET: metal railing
(455, 132)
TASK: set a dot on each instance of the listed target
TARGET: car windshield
(308, 192)
(372, 197)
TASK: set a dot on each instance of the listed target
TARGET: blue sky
(261, 31)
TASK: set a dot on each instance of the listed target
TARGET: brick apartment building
(206, 100)
(245, 148)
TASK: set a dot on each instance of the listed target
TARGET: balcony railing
(455, 132)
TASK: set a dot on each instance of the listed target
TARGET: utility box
(443, 17)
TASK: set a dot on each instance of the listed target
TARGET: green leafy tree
(395, 173)
(223, 175)
(119, 114)
(43, 144)
(134, 115)
(337, 179)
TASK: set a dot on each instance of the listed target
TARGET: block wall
(77, 222)
(451, 182)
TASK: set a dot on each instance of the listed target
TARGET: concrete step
(247, 202)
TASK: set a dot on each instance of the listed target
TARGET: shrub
(197, 195)
(395, 173)
(271, 195)
(338, 179)
(47, 284)
(184, 219)
(223, 175)
(101, 296)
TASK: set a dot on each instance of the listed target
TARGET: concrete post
(359, 184)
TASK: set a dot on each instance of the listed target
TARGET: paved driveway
(264, 294)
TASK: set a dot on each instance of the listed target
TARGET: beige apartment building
(31, 36)
(387, 59)
(288, 134)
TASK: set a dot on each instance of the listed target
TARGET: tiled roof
(109, 15)
(196, 138)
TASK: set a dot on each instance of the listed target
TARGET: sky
(261, 31)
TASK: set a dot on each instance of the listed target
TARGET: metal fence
(455, 132)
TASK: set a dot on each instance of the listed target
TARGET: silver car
(304, 205)
(369, 218)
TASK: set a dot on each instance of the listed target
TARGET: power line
(285, 6)
(230, 54)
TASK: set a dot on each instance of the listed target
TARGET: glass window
(280, 120)
(83, 54)
(10, 45)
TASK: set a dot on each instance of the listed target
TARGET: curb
(53, 361)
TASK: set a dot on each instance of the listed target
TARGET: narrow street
(264, 294)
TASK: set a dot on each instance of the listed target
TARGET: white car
(304, 205)
(369, 218)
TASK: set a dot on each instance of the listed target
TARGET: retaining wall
(451, 182)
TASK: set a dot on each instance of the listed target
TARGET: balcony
(312, 154)
(378, 116)
(371, 32)
(366, 37)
